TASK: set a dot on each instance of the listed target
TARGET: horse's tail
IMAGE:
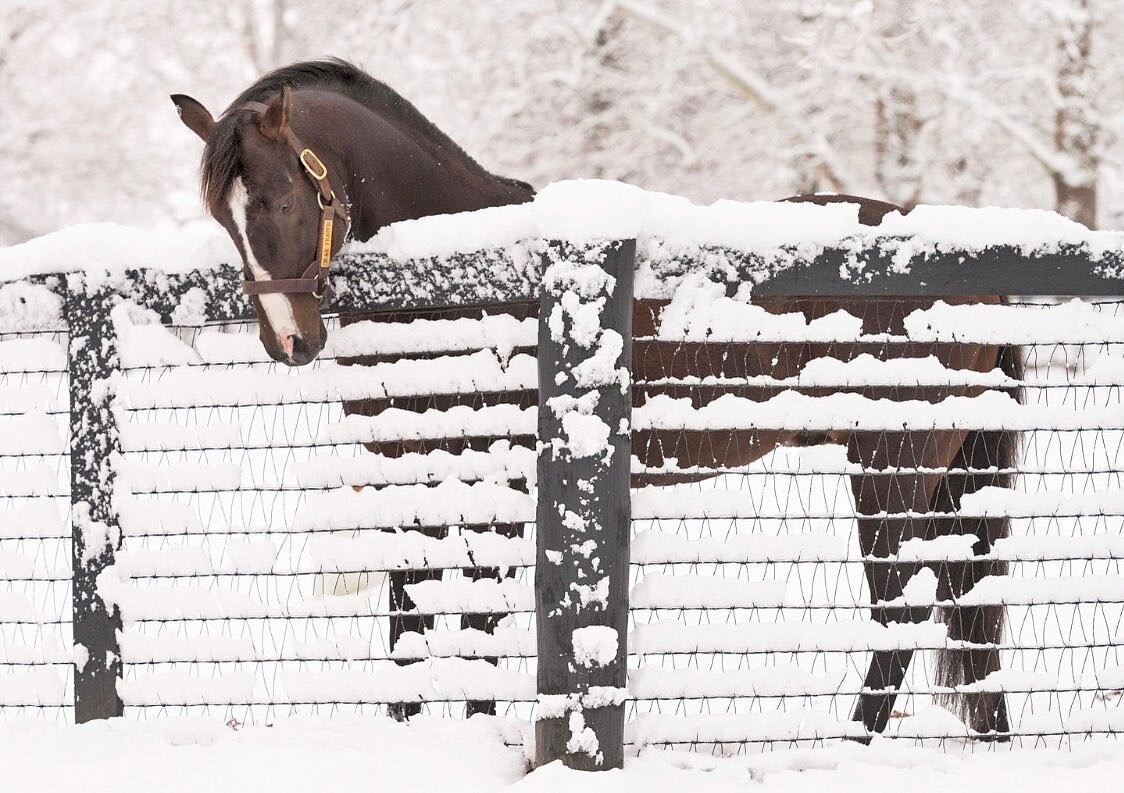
(995, 452)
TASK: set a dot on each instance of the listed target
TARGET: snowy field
(296, 756)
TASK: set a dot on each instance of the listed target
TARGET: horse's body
(388, 163)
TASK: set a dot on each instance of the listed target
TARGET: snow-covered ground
(299, 756)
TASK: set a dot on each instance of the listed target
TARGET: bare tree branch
(752, 85)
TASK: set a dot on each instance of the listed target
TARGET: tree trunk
(897, 122)
(264, 37)
(601, 97)
(1075, 129)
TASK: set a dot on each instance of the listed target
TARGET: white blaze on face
(277, 307)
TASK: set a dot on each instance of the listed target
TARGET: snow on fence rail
(189, 528)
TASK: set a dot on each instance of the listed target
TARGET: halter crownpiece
(314, 280)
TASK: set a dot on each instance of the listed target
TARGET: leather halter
(314, 280)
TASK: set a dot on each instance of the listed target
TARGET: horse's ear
(194, 116)
(274, 122)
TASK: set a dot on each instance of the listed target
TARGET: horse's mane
(220, 166)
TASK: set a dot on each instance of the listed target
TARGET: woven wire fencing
(271, 593)
(324, 539)
(35, 548)
(752, 618)
(358, 535)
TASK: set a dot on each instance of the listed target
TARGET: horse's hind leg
(897, 494)
(984, 712)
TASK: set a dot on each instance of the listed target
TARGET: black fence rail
(662, 515)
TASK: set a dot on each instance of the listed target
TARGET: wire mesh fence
(820, 505)
(765, 612)
(35, 538)
(271, 565)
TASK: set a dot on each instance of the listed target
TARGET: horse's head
(275, 198)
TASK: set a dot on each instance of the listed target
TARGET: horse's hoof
(993, 737)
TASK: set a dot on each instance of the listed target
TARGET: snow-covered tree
(973, 102)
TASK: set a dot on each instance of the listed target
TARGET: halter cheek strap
(314, 280)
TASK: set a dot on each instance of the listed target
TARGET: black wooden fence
(582, 578)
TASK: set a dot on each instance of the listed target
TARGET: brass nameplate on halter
(326, 243)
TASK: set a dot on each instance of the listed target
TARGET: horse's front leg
(401, 623)
(488, 622)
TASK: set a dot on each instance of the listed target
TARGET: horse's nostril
(290, 342)
(297, 348)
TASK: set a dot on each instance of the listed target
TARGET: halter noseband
(314, 280)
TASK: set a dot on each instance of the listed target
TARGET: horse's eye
(287, 205)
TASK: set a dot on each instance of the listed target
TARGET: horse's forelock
(221, 164)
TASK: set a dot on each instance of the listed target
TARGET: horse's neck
(392, 175)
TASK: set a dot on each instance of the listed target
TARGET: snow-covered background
(972, 102)
(761, 636)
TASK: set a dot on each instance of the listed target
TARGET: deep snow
(348, 754)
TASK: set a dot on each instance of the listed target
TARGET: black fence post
(581, 580)
(96, 535)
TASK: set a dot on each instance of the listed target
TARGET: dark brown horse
(385, 162)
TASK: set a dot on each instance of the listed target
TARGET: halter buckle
(312, 163)
(320, 284)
